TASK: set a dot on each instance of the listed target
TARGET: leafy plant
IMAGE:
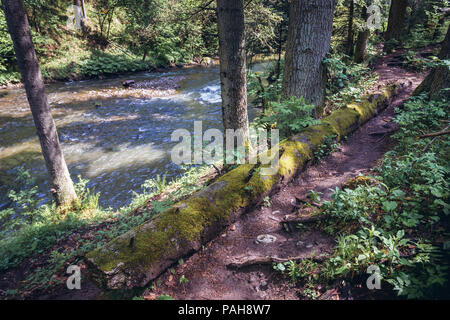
(266, 202)
(183, 279)
(289, 116)
(398, 223)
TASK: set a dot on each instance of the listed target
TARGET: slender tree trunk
(280, 51)
(230, 18)
(83, 7)
(308, 42)
(145, 53)
(350, 44)
(19, 30)
(36, 26)
(439, 77)
(362, 39)
(396, 19)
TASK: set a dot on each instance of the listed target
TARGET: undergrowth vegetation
(397, 221)
(50, 237)
(346, 82)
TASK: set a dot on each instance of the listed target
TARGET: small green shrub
(289, 116)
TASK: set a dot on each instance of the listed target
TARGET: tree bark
(19, 30)
(308, 42)
(233, 82)
(350, 44)
(396, 19)
(445, 47)
(361, 40)
(83, 7)
(439, 77)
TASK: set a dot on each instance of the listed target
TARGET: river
(114, 137)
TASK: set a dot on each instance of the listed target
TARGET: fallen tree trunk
(143, 253)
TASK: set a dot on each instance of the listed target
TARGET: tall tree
(309, 36)
(439, 77)
(396, 19)
(362, 39)
(83, 7)
(81, 12)
(19, 30)
(230, 18)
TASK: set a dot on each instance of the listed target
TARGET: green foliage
(157, 185)
(397, 224)
(178, 39)
(427, 24)
(347, 81)
(7, 56)
(29, 230)
(104, 64)
(357, 204)
(412, 61)
(262, 87)
(183, 279)
(263, 20)
(164, 297)
(415, 62)
(329, 146)
(289, 116)
(390, 45)
(266, 202)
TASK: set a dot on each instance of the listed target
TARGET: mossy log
(140, 255)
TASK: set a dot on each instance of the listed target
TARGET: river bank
(146, 67)
(117, 138)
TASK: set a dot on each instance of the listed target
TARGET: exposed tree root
(246, 261)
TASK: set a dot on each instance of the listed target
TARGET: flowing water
(116, 138)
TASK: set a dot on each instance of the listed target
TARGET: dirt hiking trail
(208, 273)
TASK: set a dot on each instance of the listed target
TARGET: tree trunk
(350, 44)
(233, 82)
(279, 52)
(19, 30)
(145, 53)
(445, 47)
(439, 77)
(308, 42)
(83, 7)
(361, 40)
(396, 19)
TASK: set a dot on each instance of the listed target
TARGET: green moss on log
(143, 253)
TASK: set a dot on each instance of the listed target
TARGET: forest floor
(209, 273)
